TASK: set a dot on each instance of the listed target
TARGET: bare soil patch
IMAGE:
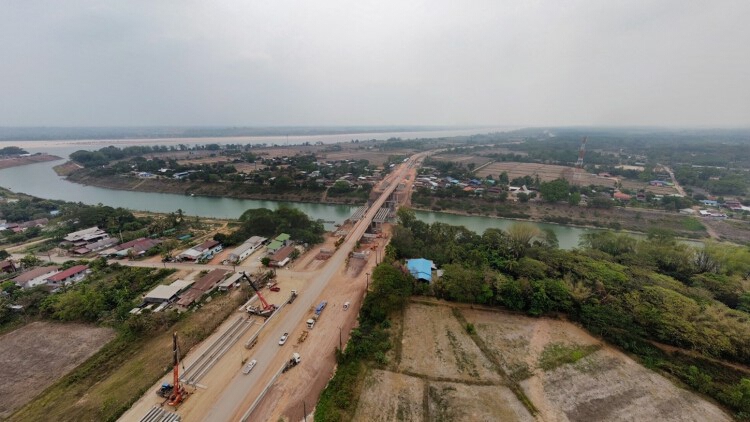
(388, 396)
(605, 385)
(545, 172)
(436, 345)
(33, 357)
(462, 402)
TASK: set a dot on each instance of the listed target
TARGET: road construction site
(219, 391)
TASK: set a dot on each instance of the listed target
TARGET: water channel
(41, 181)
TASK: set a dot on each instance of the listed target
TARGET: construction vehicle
(316, 314)
(292, 296)
(268, 308)
(175, 393)
(294, 361)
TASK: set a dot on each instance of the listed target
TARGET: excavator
(175, 393)
(268, 308)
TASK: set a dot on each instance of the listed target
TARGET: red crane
(179, 394)
(268, 308)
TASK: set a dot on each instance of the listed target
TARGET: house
(714, 215)
(733, 205)
(35, 277)
(7, 266)
(420, 268)
(89, 235)
(229, 282)
(709, 203)
(687, 211)
(204, 285)
(137, 247)
(163, 293)
(246, 249)
(279, 242)
(621, 196)
(70, 276)
(282, 256)
(660, 183)
(40, 222)
(96, 246)
(205, 250)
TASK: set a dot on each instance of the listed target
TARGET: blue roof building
(420, 268)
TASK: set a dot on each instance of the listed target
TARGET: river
(41, 181)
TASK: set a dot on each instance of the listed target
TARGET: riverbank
(185, 187)
(635, 220)
(31, 159)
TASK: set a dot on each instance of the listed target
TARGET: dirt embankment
(184, 187)
(22, 161)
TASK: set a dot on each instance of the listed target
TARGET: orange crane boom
(179, 394)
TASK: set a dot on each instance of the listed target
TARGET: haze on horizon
(386, 62)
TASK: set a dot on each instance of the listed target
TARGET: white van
(346, 305)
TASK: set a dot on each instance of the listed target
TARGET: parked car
(346, 305)
(283, 338)
(249, 367)
(275, 289)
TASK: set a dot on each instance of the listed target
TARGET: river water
(41, 181)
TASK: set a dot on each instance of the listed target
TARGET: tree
(30, 260)
(556, 190)
(574, 198)
(465, 285)
(521, 235)
(4, 254)
(166, 248)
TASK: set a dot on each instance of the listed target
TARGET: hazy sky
(384, 62)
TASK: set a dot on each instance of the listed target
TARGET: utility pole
(304, 410)
(368, 281)
(341, 347)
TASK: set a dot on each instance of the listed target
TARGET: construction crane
(268, 308)
(174, 393)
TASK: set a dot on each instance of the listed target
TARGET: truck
(320, 307)
(316, 314)
(292, 297)
(291, 363)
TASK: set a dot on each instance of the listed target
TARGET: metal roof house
(279, 242)
(246, 249)
(420, 268)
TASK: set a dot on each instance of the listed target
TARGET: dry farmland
(546, 172)
(464, 160)
(440, 372)
(604, 385)
(635, 185)
(36, 355)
